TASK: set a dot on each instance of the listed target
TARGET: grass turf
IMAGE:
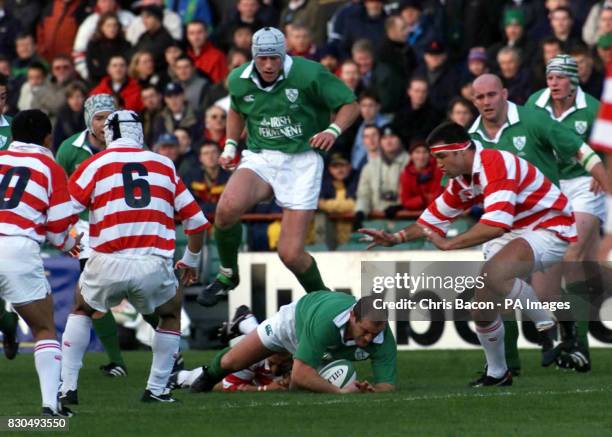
(432, 400)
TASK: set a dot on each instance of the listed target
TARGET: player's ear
(48, 141)
(505, 93)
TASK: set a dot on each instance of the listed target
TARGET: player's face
(269, 67)
(451, 163)
(365, 330)
(490, 100)
(97, 124)
(559, 85)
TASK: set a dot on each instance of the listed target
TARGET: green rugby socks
(311, 279)
(106, 330)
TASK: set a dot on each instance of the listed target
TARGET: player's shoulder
(304, 70)
(531, 101)
(235, 80)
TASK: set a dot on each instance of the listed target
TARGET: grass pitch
(432, 400)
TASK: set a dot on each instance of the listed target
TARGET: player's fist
(75, 249)
(323, 140)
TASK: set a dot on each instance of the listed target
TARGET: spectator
(394, 51)
(349, 74)
(421, 179)
(365, 22)
(25, 47)
(604, 47)
(461, 111)
(338, 23)
(88, 28)
(515, 79)
(156, 38)
(417, 116)
(70, 118)
(120, 85)
(421, 30)
(58, 27)
(378, 76)
(442, 78)
(514, 36)
(369, 109)
(207, 181)
(467, 91)
(329, 58)
(177, 113)
(235, 58)
(591, 81)
(299, 42)
(167, 145)
(477, 62)
(107, 41)
(214, 124)
(34, 84)
(540, 26)
(190, 10)
(27, 12)
(5, 120)
(171, 54)
(142, 68)
(9, 27)
(599, 22)
(245, 14)
(188, 158)
(152, 104)
(242, 37)
(195, 86)
(306, 13)
(206, 57)
(379, 180)
(53, 96)
(549, 48)
(338, 193)
(561, 22)
(171, 21)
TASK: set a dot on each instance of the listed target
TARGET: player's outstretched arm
(378, 237)
(477, 234)
(306, 377)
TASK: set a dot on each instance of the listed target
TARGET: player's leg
(243, 191)
(74, 343)
(8, 327)
(47, 353)
(294, 227)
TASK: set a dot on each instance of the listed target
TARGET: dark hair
(184, 57)
(76, 86)
(98, 35)
(447, 132)
(210, 143)
(31, 126)
(149, 85)
(550, 40)
(459, 100)
(563, 9)
(372, 125)
(200, 22)
(24, 35)
(369, 94)
(365, 309)
(37, 65)
(580, 48)
(3, 81)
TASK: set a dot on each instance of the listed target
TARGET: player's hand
(323, 140)
(76, 249)
(275, 386)
(438, 241)
(605, 247)
(351, 388)
(189, 275)
(596, 187)
(377, 237)
(365, 387)
(227, 163)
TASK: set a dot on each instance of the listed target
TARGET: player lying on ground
(34, 205)
(132, 195)
(285, 103)
(527, 223)
(318, 324)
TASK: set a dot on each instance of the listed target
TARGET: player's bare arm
(378, 237)
(477, 234)
(346, 116)
(305, 377)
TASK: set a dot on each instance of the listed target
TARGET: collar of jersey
(544, 102)
(18, 146)
(81, 141)
(124, 143)
(3, 121)
(248, 74)
(342, 319)
(476, 167)
(513, 118)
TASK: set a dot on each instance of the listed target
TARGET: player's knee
(290, 256)
(229, 363)
(226, 215)
(43, 332)
(576, 252)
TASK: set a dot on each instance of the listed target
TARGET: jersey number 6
(23, 176)
(136, 187)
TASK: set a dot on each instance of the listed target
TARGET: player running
(534, 136)
(527, 225)
(286, 104)
(565, 102)
(321, 323)
(34, 206)
(132, 195)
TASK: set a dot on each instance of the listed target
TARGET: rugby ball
(339, 373)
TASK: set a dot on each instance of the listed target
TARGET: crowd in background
(410, 63)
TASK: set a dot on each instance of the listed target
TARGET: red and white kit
(34, 206)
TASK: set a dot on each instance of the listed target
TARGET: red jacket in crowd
(419, 188)
(211, 61)
(58, 27)
(129, 92)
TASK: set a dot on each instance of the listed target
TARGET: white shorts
(295, 178)
(278, 332)
(547, 248)
(22, 275)
(82, 226)
(582, 199)
(145, 281)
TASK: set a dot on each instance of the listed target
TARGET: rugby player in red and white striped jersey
(526, 226)
(34, 206)
(132, 195)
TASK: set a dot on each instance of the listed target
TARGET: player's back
(34, 199)
(131, 194)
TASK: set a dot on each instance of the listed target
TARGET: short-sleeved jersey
(579, 118)
(5, 131)
(34, 199)
(515, 195)
(532, 135)
(320, 323)
(287, 114)
(132, 194)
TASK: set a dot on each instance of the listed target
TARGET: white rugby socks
(74, 343)
(48, 362)
(491, 338)
(165, 348)
(524, 293)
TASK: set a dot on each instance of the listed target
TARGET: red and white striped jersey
(34, 199)
(259, 374)
(514, 193)
(132, 194)
(601, 135)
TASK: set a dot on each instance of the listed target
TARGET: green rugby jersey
(320, 322)
(5, 131)
(534, 136)
(579, 118)
(287, 114)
